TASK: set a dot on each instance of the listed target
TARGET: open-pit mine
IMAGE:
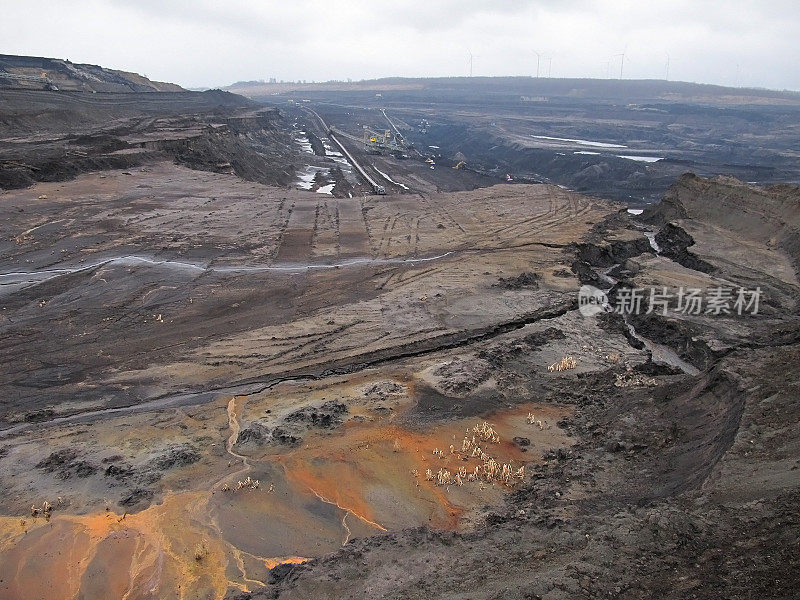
(320, 348)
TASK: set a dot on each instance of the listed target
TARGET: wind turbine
(622, 60)
(666, 68)
(549, 65)
(471, 57)
(538, 58)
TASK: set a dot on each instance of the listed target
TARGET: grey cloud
(208, 42)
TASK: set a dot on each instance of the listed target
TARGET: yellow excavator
(460, 164)
(509, 178)
(430, 161)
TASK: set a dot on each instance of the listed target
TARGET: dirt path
(235, 428)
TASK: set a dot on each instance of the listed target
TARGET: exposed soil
(218, 385)
(47, 136)
(52, 74)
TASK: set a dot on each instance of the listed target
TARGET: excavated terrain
(54, 136)
(53, 74)
(622, 140)
(257, 381)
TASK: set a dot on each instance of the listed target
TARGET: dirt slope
(38, 73)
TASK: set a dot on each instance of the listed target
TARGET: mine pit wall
(64, 168)
(220, 150)
(729, 203)
(708, 416)
(217, 128)
(265, 119)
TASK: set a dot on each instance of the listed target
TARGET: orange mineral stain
(271, 563)
(202, 543)
(162, 551)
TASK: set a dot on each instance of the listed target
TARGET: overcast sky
(215, 43)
